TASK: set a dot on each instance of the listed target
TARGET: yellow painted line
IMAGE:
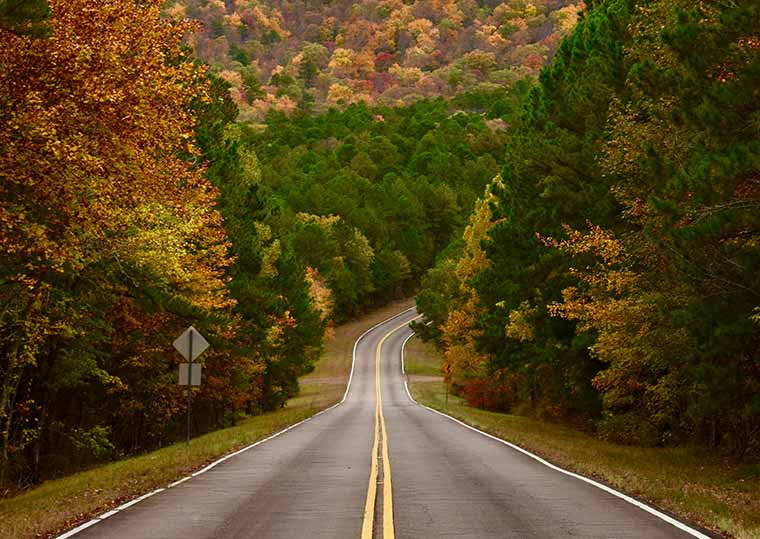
(388, 530)
(369, 507)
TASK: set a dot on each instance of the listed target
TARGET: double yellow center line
(380, 434)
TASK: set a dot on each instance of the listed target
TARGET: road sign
(196, 373)
(183, 344)
(191, 345)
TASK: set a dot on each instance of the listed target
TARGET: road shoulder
(62, 504)
(721, 496)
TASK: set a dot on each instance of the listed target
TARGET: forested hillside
(594, 234)
(611, 275)
(296, 55)
(134, 205)
(367, 197)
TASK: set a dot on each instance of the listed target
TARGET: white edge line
(356, 344)
(670, 520)
(78, 529)
(115, 510)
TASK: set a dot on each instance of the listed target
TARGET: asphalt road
(423, 474)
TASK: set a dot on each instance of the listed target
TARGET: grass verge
(421, 359)
(57, 505)
(719, 494)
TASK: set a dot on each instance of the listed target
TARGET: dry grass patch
(60, 504)
(719, 494)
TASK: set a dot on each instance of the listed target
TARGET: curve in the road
(112, 512)
(449, 480)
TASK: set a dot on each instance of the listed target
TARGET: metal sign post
(191, 345)
(189, 383)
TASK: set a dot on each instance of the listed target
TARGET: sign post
(190, 345)
(190, 382)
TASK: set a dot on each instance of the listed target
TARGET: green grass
(59, 504)
(717, 493)
(421, 359)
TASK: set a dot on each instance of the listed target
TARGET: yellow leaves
(406, 75)
(325, 222)
(419, 26)
(270, 256)
(342, 59)
(566, 18)
(320, 293)
(520, 325)
(461, 361)
(275, 337)
(597, 241)
(459, 332)
(263, 231)
(272, 21)
(474, 259)
(340, 93)
(360, 247)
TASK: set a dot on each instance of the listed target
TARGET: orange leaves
(596, 241)
(608, 278)
(99, 116)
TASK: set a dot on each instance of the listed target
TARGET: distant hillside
(312, 54)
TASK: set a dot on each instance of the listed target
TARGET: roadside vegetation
(59, 504)
(133, 210)
(718, 493)
(422, 359)
(610, 276)
(607, 277)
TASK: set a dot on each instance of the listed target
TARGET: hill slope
(289, 54)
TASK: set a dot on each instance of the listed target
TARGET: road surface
(395, 470)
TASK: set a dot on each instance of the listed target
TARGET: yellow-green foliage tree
(463, 363)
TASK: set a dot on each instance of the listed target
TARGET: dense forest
(587, 241)
(134, 205)
(300, 55)
(610, 276)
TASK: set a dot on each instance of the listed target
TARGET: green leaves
(25, 17)
(641, 137)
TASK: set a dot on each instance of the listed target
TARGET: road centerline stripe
(369, 507)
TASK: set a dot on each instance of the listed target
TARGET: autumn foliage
(111, 242)
(290, 55)
(620, 276)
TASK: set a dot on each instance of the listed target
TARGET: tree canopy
(620, 283)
